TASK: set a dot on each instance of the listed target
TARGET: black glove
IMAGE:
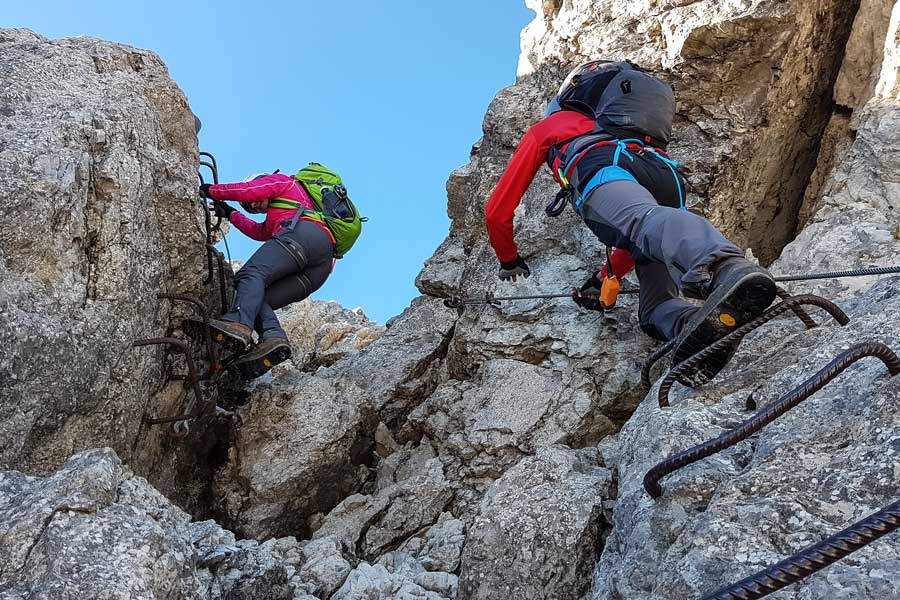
(204, 191)
(514, 268)
(220, 209)
(589, 295)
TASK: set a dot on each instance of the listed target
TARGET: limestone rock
(94, 530)
(375, 582)
(324, 566)
(539, 528)
(322, 333)
(298, 454)
(98, 159)
(376, 524)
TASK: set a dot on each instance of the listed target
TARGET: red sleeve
(524, 164)
(622, 263)
(249, 227)
(264, 188)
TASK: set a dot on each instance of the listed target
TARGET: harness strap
(284, 203)
(622, 147)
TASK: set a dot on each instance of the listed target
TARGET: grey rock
(375, 524)
(322, 333)
(443, 545)
(445, 584)
(98, 159)
(297, 454)
(374, 582)
(324, 566)
(401, 563)
(539, 528)
(95, 530)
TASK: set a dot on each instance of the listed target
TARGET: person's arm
(249, 227)
(622, 263)
(524, 164)
(264, 188)
(501, 206)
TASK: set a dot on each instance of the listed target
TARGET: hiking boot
(739, 292)
(237, 337)
(263, 357)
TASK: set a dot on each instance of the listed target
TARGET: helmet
(250, 206)
(577, 78)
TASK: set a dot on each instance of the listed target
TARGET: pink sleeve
(270, 186)
(249, 227)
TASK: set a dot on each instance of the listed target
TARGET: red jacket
(523, 166)
(269, 187)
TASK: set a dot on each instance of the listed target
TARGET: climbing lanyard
(489, 298)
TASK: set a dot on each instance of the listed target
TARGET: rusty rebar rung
(801, 314)
(647, 369)
(211, 355)
(813, 558)
(223, 294)
(182, 347)
(652, 360)
(735, 336)
(770, 412)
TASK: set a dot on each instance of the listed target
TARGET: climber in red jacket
(604, 137)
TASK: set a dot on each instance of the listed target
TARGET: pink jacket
(265, 188)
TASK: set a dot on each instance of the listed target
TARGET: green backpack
(333, 206)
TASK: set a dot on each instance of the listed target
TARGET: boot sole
(732, 305)
(251, 367)
(194, 329)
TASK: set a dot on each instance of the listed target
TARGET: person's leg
(271, 262)
(625, 215)
(661, 311)
(698, 258)
(310, 241)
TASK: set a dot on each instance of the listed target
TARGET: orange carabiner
(609, 292)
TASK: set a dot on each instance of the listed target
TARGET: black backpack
(625, 101)
(631, 108)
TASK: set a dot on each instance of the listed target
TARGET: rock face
(94, 529)
(499, 451)
(98, 158)
(548, 512)
(322, 333)
(827, 463)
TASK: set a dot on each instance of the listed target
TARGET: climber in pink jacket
(295, 260)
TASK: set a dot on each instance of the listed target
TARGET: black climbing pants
(286, 269)
(671, 248)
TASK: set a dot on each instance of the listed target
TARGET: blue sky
(390, 94)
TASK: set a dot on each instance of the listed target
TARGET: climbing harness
(626, 148)
(489, 298)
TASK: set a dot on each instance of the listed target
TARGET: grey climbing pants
(287, 268)
(672, 250)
